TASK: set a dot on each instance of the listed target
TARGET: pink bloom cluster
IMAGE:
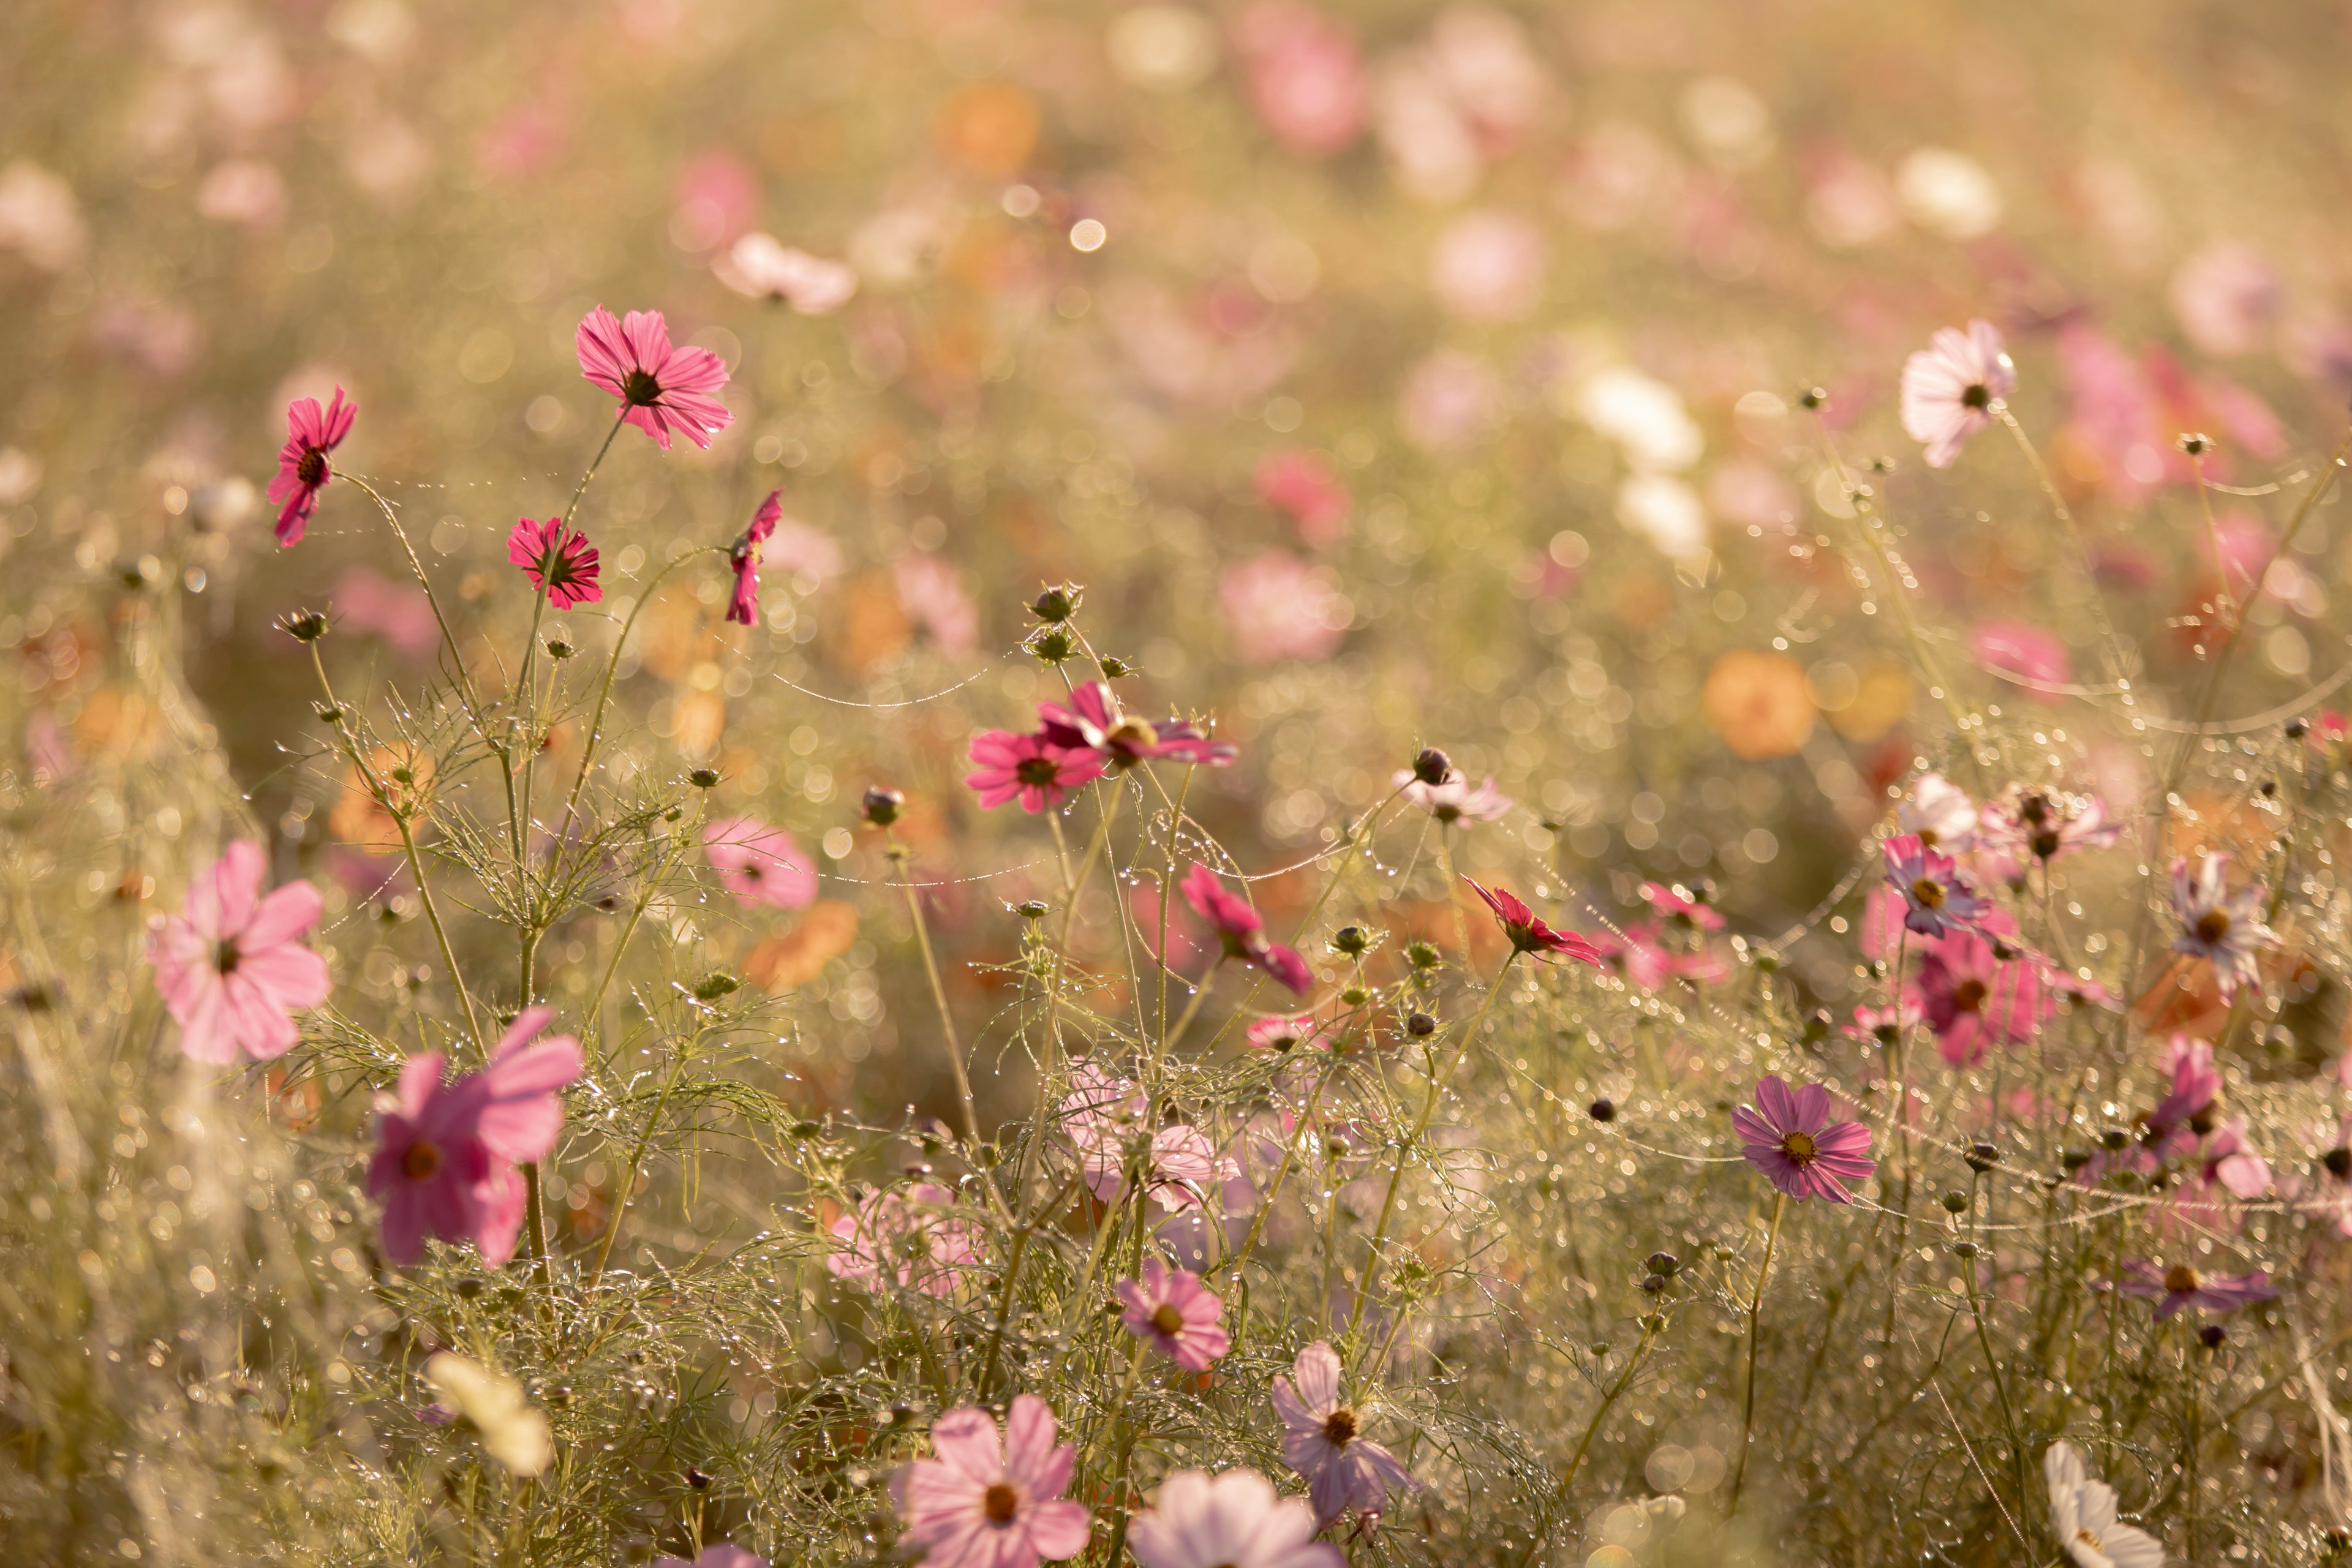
(1076, 743)
(1242, 930)
(1103, 1114)
(910, 1240)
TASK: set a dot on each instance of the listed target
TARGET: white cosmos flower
(514, 1432)
(2083, 1515)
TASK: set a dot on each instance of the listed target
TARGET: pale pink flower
(1278, 608)
(2218, 925)
(231, 967)
(559, 560)
(1172, 1309)
(718, 196)
(1454, 800)
(1939, 812)
(1229, 1521)
(1323, 1440)
(802, 551)
(1287, 1032)
(445, 1152)
(1949, 389)
(1302, 485)
(1305, 79)
(760, 864)
(398, 613)
(2038, 659)
(2047, 824)
(2227, 298)
(1450, 401)
(244, 191)
(1681, 906)
(302, 468)
(662, 389)
(2083, 1516)
(2228, 1158)
(2196, 1085)
(1488, 267)
(911, 1240)
(1094, 721)
(1790, 1138)
(932, 593)
(985, 1501)
(760, 266)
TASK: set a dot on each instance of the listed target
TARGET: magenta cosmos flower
(743, 555)
(979, 1501)
(912, 1240)
(2181, 1285)
(1030, 767)
(1936, 900)
(1323, 1440)
(760, 864)
(446, 1153)
(1973, 997)
(231, 966)
(719, 1556)
(1177, 1313)
(302, 468)
(1531, 935)
(2196, 1084)
(559, 560)
(1791, 1138)
(1242, 931)
(661, 389)
(2222, 927)
(1949, 389)
(1229, 1521)
(1093, 721)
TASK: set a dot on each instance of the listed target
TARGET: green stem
(1755, 1326)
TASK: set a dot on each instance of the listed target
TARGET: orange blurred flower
(1758, 702)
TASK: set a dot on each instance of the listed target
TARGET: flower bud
(1350, 942)
(1420, 954)
(2338, 1162)
(2211, 1335)
(2113, 1139)
(327, 711)
(1964, 1249)
(703, 778)
(1031, 909)
(2074, 1159)
(1051, 644)
(1664, 1263)
(1982, 1156)
(2296, 728)
(881, 805)
(1602, 1110)
(1654, 1322)
(1115, 667)
(2194, 444)
(696, 1479)
(715, 984)
(1354, 995)
(1955, 1202)
(1653, 1283)
(559, 646)
(1599, 1347)
(1057, 604)
(1432, 767)
(303, 626)
(1813, 399)
(1420, 1026)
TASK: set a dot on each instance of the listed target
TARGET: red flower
(1531, 935)
(302, 468)
(1242, 931)
(556, 559)
(744, 557)
(661, 389)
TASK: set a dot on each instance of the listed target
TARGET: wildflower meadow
(1260, 785)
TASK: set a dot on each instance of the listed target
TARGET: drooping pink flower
(1790, 1138)
(1305, 79)
(2225, 927)
(559, 560)
(719, 1554)
(1301, 484)
(1949, 389)
(760, 864)
(1232, 1519)
(1528, 932)
(661, 389)
(2039, 660)
(761, 267)
(2180, 1286)
(1178, 1314)
(911, 1240)
(1323, 1440)
(447, 1151)
(1278, 608)
(985, 1501)
(1029, 767)
(743, 555)
(231, 966)
(1936, 900)
(1973, 997)
(1454, 800)
(302, 468)
(1242, 931)
(1094, 722)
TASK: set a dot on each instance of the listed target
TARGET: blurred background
(1388, 375)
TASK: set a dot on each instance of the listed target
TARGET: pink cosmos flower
(1094, 722)
(1791, 1138)
(231, 966)
(1884, 1025)
(1306, 80)
(1936, 900)
(1171, 1307)
(2039, 660)
(983, 1501)
(2181, 1285)
(1322, 1440)
(1639, 954)
(1232, 1520)
(1287, 1032)
(761, 267)
(2196, 1084)
(401, 614)
(1278, 608)
(302, 467)
(1530, 933)
(1974, 998)
(2218, 925)
(446, 1153)
(2227, 1158)
(1031, 767)
(760, 864)
(1679, 905)
(717, 1555)
(1949, 389)
(1939, 812)
(661, 389)
(2048, 824)
(559, 560)
(1488, 267)
(1454, 800)
(1242, 931)
(912, 1240)
(1302, 485)
(2226, 297)
(743, 555)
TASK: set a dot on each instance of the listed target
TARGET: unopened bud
(1420, 1026)
(703, 778)
(1031, 909)
(882, 805)
(1432, 767)
(1051, 644)
(1057, 604)
(1350, 941)
(303, 626)
(1813, 399)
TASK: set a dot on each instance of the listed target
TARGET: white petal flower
(2083, 1516)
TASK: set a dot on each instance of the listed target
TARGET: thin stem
(1576, 1460)
(604, 693)
(1755, 1318)
(636, 1159)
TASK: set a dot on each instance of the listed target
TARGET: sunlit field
(1228, 785)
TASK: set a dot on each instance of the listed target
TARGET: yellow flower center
(1166, 1318)
(1339, 1428)
(1928, 893)
(2181, 1276)
(1798, 1146)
